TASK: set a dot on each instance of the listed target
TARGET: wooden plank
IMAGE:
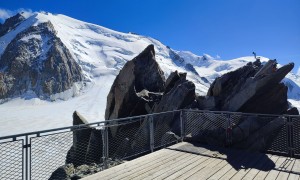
(274, 172)
(254, 171)
(226, 168)
(149, 166)
(205, 172)
(188, 168)
(287, 167)
(263, 174)
(212, 156)
(175, 167)
(138, 161)
(208, 172)
(149, 171)
(251, 159)
(119, 169)
(242, 172)
(296, 168)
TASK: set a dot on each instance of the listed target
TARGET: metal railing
(89, 148)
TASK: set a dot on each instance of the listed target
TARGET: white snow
(101, 53)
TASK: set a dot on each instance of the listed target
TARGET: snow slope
(101, 53)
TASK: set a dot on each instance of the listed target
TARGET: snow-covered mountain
(41, 96)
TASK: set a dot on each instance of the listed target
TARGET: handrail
(82, 126)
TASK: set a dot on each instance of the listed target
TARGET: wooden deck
(190, 161)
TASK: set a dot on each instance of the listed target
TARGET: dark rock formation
(252, 89)
(11, 23)
(38, 61)
(81, 137)
(181, 95)
(141, 73)
(64, 172)
(69, 172)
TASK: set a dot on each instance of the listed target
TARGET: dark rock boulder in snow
(252, 89)
(36, 60)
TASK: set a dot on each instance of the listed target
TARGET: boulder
(251, 89)
(141, 73)
(64, 172)
(81, 138)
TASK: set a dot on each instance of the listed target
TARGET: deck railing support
(151, 132)
(105, 146)
(290, 129)
(182, 120)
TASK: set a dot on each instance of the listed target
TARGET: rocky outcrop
(11, 23)
(69, 172)
(78, 155)
(36, 60)
(254, 88)
(141, 73)
(64, 172)
(125, 97)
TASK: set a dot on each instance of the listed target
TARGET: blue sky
(228, 28)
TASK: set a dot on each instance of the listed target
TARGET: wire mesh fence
(296, 135)
(86, 149)
(48, 153)
(277, 134)
(11, 161)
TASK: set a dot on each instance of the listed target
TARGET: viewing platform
(196, 161)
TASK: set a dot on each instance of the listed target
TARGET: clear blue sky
(228, 28)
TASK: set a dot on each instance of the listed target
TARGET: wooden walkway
(190, 161)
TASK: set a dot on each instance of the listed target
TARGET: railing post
(105, 149)
(290, 129)
(151, 130)
(228, 130)
(182, 121)
(26, 158)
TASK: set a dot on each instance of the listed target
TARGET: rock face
(126, 97)
(140, 88)
(78, 152)
(11, 23)
(141, 73)
(36, 60)
(253, 88)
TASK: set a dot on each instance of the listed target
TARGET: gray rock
(81, 137)
(142, 73)
(253, 89)
(63, 173)
(11, 23)
(181, 95)
(42, 65)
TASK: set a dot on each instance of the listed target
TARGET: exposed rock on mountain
(36, 60)
(11, 23)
